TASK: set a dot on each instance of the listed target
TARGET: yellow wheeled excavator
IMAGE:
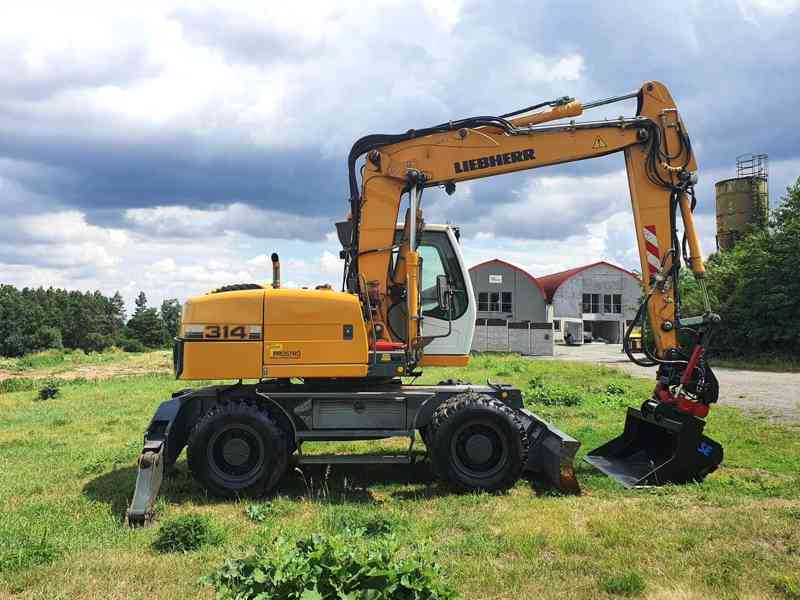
(325, 365)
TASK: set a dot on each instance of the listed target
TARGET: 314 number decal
(224, 332)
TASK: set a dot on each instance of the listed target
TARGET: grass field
(67, 472)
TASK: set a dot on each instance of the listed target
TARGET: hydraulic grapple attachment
(659, 445)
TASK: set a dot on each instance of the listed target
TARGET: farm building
(595, 300)
(505, 291)
(512, 313)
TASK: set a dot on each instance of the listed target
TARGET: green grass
(67, 473)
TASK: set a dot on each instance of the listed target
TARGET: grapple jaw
(551, 454)
(659, 445)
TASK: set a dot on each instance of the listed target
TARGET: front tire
(478, 443)
(236, 449)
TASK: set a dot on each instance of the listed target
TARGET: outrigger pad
(658, 447)
(551, 453)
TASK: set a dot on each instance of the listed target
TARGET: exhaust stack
(276, 271)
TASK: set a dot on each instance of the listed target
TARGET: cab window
(438, 258)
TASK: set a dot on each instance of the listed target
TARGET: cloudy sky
(171, 147)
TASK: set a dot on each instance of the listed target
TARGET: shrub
(539, 392)
(49, 390)
(787, 586)
(258, 512)
(186, 533)
(132, 345)
(331, 567)
(624, 584)
(97, 342)
(16, 344)
(355, 519)
(49, 338)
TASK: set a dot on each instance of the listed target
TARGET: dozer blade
(657, 448)
(551, 453)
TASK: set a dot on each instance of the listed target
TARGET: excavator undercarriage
(239, 437)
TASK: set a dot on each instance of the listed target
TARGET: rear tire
(236, 449)
(477, 443)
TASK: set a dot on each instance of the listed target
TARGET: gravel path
(776, 395)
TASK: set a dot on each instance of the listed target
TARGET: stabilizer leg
(163, 442)
(148, 482)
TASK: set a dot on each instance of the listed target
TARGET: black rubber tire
(470, 416)
(236, 287)
(241, 430)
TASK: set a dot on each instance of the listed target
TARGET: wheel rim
(236, 454)
(479, 450)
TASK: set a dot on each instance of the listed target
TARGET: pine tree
(145, 325)
(171, 316)
(115, 316)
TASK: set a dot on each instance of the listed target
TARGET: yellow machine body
(275, 333)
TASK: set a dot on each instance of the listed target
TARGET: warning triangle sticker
(599, 144)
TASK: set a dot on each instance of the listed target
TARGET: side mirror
(443, 291)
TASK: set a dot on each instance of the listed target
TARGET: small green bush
(49, 337)
(787, 586)
(330, 568)
(49, 390)
(132, 345)
(358, 520)
(258, 512)
(550, 394)
(186, 533)
(624, 584)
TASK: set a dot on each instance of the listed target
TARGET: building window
(591, 303)
(618, 303)
(494, 302)
(606, 303)
(506, 304)
(483, 301)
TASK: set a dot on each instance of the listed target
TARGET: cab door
(441, 255)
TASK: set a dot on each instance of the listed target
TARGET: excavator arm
(661, 169)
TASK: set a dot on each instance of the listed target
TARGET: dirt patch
(136, 364)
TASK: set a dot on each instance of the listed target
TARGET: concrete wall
(600, 279)
(496, 335)
(527, 301)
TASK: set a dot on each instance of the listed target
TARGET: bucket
(659, 445)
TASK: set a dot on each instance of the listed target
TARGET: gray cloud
(397, 72)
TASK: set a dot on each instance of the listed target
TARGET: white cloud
(754, 10)
(330, 264)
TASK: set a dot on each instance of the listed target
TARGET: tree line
(33, 319)
(755, 287)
